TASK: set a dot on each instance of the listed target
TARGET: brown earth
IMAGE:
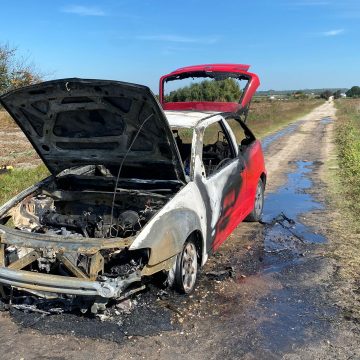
(15, 148)
(286, 300)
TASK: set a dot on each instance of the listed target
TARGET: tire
(182, 277)
(256, 213)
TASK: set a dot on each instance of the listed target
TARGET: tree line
(353, 92)
(208, 90)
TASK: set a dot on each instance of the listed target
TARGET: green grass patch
(347, 136)
(13, 182)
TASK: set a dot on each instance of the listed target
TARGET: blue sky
(290, 44)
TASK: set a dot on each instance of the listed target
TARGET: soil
(271, 292)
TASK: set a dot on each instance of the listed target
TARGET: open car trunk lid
(215, 72)
(76, 122)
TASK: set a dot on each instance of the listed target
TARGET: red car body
(238, 199)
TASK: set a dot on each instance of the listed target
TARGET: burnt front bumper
(83, 284)
(31, 281)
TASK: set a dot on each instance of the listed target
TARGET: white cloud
(334, 32)
(311, 3)
(179, 39)
(83, 10)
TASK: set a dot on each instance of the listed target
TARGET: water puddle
(268, 140)
(284, 211)
(291, 312)
(326, 120)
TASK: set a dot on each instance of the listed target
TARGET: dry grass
(347, 137)
(16, 149)
(343, 179)
(6, 122)
(268, 116)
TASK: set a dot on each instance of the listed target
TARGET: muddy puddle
(292, 311)
(326, 120)
(268, 140)
(285, 210)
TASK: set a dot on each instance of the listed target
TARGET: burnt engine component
(128, 223)
(92, 225)
(88, 213)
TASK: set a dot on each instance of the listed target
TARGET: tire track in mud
(279, 303)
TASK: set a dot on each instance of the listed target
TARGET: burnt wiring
(120, 168)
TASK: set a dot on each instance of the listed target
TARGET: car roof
(188, 119)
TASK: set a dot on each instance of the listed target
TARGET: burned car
(134, 190)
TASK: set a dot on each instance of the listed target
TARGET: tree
(337, 94)
(353, 92)
(326, 94)
(207, 90)
(15, 71)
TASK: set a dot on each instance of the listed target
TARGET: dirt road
(280, 304)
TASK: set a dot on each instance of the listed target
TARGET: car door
(250, 149)
(222, 181)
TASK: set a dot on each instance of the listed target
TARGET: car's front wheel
(256, 213)
(184, 273)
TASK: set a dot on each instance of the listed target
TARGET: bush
(353, 92)
(326, 94)
(15, 71)
(227, 90)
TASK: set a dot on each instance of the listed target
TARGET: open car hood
(75, 122)
(214, 71)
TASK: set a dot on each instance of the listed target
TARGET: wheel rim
(189, 267)
(259, 200)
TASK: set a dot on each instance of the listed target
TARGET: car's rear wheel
(256, 213)
(184, 273)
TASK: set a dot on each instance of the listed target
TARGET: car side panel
(255, 167)
(167, 231)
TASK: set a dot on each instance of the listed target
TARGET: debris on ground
(33, 308)
(220, 275)
(125, 306)
(286, 222)
(280, 219)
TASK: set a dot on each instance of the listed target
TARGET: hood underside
(76, 122)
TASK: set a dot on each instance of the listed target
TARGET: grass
(268, 116)
(6, 121)
(13, 182)
(343, 179)
(348, 146)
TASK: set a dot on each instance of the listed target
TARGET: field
(267, 116)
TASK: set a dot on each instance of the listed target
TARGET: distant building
(343, 95)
